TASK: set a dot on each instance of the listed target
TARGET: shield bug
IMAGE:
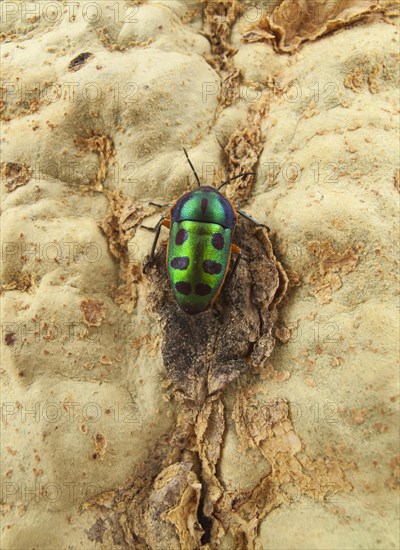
(201, 224)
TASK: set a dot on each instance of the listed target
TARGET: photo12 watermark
(292, 92)
(54, 12)
(71, 91)
(69, 412)
(60, 252)
(16, 334)
(51, 492)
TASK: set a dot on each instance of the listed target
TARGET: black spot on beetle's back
(211, 267)
(202, 289)
(204, 204)
(217, 241)
(183, 287)
(181, 262)
(181, 236)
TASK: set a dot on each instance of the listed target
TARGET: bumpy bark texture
(269, 421)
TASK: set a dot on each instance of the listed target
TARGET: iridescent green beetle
(201, 224)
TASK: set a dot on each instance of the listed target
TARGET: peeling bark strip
(203, 355)
(175, 499)
(292, 22)
(119, 226)
(219, 17)
(246, 144)
(243, 150)
(103, 146)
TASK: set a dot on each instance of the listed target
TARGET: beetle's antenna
(192, 167)
(235, 178)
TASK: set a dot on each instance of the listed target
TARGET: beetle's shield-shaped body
(202, 224)
(198, 259)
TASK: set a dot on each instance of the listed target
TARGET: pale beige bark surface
(272, 421)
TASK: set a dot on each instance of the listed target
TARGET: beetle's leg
(235, 250)
(164, 221)
(147, 227)
(253, 220)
